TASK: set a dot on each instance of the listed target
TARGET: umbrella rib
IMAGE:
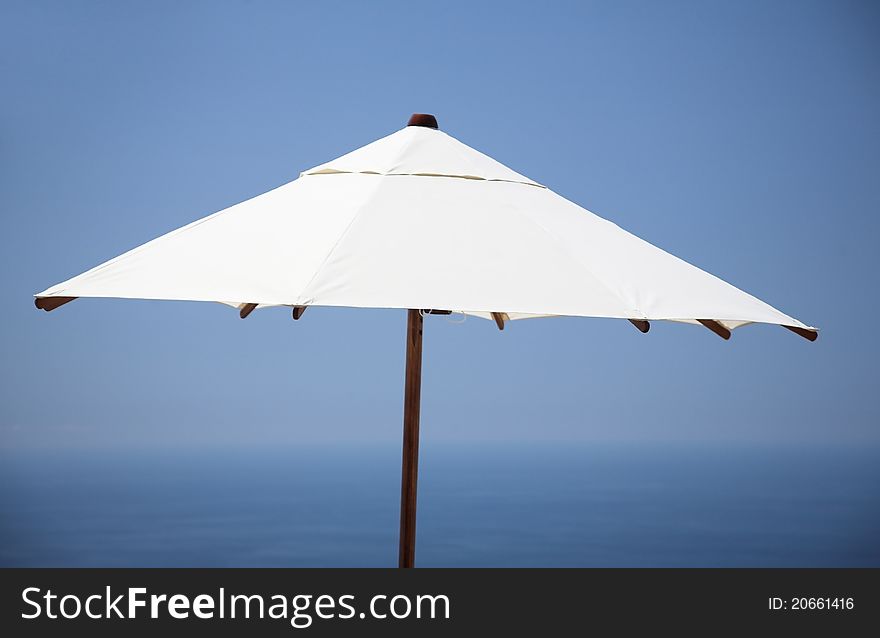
(642, 324)
(246, 309)
(809, 335)
(716, 327)
(50, 303)
(500, 318)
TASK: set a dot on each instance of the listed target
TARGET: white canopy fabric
(419, 220)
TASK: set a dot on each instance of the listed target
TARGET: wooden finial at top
(423, 119)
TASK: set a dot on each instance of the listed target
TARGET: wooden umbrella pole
(410, 466)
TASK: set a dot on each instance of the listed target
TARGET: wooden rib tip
(500, 318)
(298, 312)
(806, 333)
(50, 303)
(642, 324)
(246, 309)
(716, 327)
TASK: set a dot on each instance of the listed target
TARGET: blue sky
(742, 137)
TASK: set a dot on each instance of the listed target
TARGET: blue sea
(487, 504)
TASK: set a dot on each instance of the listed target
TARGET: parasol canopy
(418, 219)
